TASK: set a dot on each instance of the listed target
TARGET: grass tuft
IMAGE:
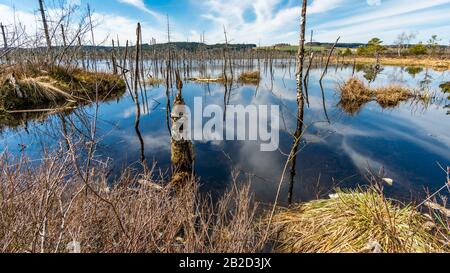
(153, 81)
(355, 94)
(445, 87)
(391, 96)
(252, 77)
(220, 79)
(356, 221)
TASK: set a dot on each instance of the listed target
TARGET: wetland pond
(407, 141)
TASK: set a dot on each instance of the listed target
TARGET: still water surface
(407, 141)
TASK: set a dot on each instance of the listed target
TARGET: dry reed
(251, 77)
(30, 86)
(445, 87)
(356, 221)
(49, 208)
(355, 94)
(435, 63)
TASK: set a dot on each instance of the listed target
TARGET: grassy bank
(441, 63)
(435, 63)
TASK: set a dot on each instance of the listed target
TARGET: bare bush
(48, 209)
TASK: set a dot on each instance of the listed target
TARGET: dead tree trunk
(63, 36)
(169, 57)
(113, 58)
(306, 78)
(92, 34)
(136, 96)
(182, 149)
(44, 22)
(328, 59)
(136, 73)
(227, 52)
(301, 52)
(300, 103)
(82, 53)
(5, 41)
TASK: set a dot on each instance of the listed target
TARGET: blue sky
(253, 21)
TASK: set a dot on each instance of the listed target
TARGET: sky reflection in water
(407, 141)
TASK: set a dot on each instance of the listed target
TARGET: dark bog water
(407, 141)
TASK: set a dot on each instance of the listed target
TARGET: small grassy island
(355, 94)
(26, 87)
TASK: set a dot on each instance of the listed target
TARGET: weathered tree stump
(183, 154)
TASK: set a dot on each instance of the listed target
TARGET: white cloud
(388, 10)
(273, 21)
(319, 6)
(125, 28)
(361, 161)
(9, 17)
(374, 2)
(272, 24)
(107, 26)
(141, 5)
(385, 27)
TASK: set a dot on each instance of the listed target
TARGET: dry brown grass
(390, 96)
(355, 94)
(251, 77)
(357, 221)
(220, 79)
(355, 90)
(445, 87)
(31, 86)
(49, 207)
(153, 81)
(435, 63)
(55, 205)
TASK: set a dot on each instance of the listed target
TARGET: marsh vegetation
(355, 94)
(33, 86)
(362, 221)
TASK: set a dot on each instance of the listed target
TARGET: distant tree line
(193, 46)
(339, 45)
(403, 46)
(181, 46)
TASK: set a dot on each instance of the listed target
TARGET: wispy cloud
(125, 28)
(419, 16)
(261, 21)
(374, 2)
(271, 24)
(107, 25)
(319, 6)
(389, 10)
(141, 5)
